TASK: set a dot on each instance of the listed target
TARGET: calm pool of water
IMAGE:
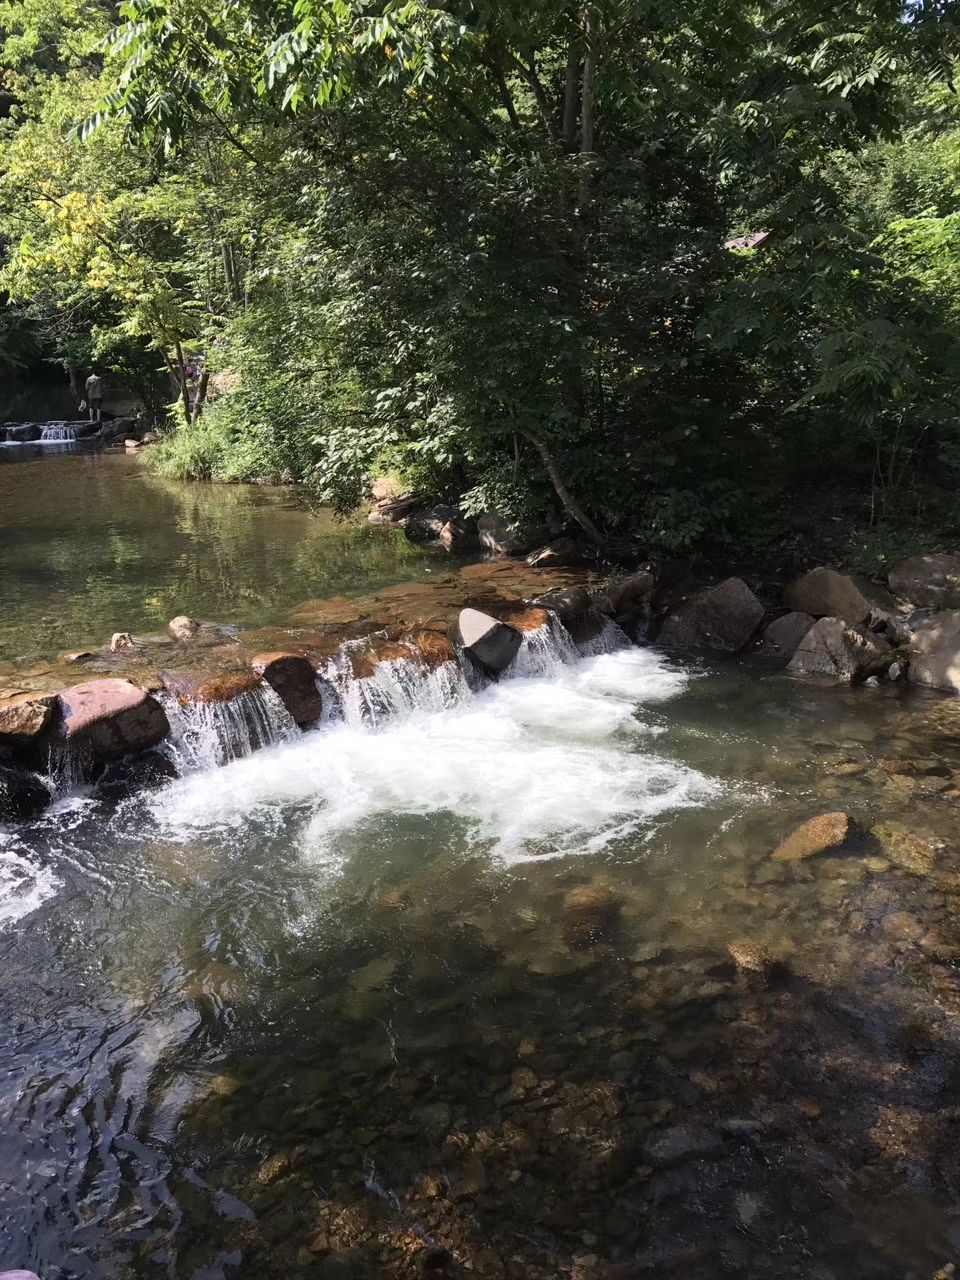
(466, 985)
(91, 543)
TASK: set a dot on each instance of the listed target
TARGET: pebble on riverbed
(827, 831)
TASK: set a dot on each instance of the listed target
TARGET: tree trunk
(570, 504)
(182, 379)
(201, 398)
(588, 90)
(570, 93)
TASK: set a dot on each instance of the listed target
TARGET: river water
(91, 543)
(459, 973)
(506, 974)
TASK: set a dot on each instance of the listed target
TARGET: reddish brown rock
(112, 717)
(827, 832)
(525, 618)
(591, 912)
(433, 649)
(210, 687)
(293, 679)
(24, 718)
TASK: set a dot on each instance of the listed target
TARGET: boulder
(931, 582)
(112, 718)
(23, 719)
(823, 834)
(835, 651)
(503, 537)
(294, 680)
(934, 649)
(556, 554)
(781, 637)
(428, 525)
(575, 608)
(634, 591)
(182, 627)
(723, 618)
(491, 644)
(824, 593)
(459, 536)
(24, 433)
(591, 913)
(22, 795)
(121, 640)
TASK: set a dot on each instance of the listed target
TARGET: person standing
(94, 390)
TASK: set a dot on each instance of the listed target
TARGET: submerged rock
(723, 618)
(207, 687)
(23, 719)
(491, 644)
(294, 680)
(112, 718)
(833, 650)
(826, 832)
(122, 778)
(824, 593)
(934, 649)
(591, 912)
(782, 637)
(931, 581)
(683, 1142)
(22, 795)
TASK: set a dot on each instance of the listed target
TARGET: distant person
(94, 389)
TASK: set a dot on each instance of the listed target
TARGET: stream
(498, 980)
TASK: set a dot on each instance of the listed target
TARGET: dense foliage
(488, 246)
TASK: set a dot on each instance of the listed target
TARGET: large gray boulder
(444, 524)
(22, 795)
(781, 638)
(824, 593)
(112, 718)
(577, 610)
(24, 432)
(723, 618)
(931, 582)
(491, 644)
(934, 650)
(832, 650)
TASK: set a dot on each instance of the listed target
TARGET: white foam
(529, 767)
(23, 885)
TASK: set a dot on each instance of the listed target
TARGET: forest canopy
(664, 269)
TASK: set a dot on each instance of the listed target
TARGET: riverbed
(91, 544)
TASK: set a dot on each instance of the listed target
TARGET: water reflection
(90, 544)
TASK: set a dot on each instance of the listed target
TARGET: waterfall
(58, 435)
(204, 735)
(396, 687)
(544, 651)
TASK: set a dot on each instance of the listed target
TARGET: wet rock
(123, 778)
(633, 591)
(562, 551)
(754, 958)
(828, 831)
(934, 652)
(591, 913)
(459, 536)
(833, 650)
(111, 718)
(121, 640)
(781, 637)
(824, 593)
(23, 719)
(294, 680)
(491, 644)
(683, 1142)
(77, 657)
(931, 581)
(434, 650)
(22, 795)
(723, 619)
(428, 525)
(24, 432)
(503, 537)
(575, 608)
(182, 627)
(193, 687)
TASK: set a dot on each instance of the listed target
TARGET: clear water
(331, 1005)
(91, 543)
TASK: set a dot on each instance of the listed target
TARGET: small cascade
(204, 735)
(545, 651)
(58, 435)
(70, 766)
(396, 688)
(609, 639)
